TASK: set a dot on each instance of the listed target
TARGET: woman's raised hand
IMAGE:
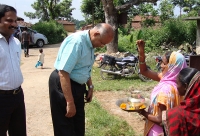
(140, 44)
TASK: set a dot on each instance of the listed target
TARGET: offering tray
(131, 104)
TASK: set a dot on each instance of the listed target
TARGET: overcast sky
(25, 6)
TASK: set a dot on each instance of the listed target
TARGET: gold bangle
(142, 62)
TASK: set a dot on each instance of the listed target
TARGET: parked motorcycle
(127, 66)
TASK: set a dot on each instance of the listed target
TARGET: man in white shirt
(12, 107)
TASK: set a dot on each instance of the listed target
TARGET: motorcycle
(127, 66)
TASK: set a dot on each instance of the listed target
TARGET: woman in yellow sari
(165, 95)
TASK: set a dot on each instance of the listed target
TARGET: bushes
(177, 31)
(54, 31)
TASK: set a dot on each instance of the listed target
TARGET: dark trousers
(63, 126)
(26, 47)
(12, 114)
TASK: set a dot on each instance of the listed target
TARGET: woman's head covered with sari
(169, 74)
(184, 120)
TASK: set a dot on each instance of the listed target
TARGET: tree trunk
(111, 18)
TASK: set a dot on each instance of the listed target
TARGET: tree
(50, 10)
(93, 11)
(78, 23)
(111, 17)
(191, 5)
(166, 10)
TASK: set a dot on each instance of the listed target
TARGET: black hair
(5, 8)
(186, 74)
(41, 50)
(167, 55)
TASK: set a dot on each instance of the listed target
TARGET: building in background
(68, 26)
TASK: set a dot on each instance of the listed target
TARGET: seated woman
(165, 95)
(184, 120)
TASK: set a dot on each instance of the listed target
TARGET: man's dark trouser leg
(12, 114)
(64, 126)
(26, 47)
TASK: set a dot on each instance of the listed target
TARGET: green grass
(100, 123)
(120, 83)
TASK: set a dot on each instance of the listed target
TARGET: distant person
(12, 107)
(67, 84)
(184, 120)
(40, 61)
(25, 39)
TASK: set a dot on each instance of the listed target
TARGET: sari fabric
(184, 120)
(166, 91)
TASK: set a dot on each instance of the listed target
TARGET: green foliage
(64, 10)
(139, 36)
(166, 9)
(49, 10)
(54, 31)
(180, 31)
(78, 24)
(148, 22)
(187, 5)
(93, 11)
(124, 43)
(123, 30)
(176, 31)
(99, 119)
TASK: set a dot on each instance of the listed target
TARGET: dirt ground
(35, 88)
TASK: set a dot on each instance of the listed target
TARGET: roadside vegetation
(54, 31)
(174, 32)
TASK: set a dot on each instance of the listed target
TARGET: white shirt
(10, 55)
(41, 57)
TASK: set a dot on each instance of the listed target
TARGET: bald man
(71, 77)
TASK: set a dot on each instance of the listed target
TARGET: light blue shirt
(76, 56)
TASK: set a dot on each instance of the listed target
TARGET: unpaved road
(36, 93)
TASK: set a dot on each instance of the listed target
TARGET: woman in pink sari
(165, 95)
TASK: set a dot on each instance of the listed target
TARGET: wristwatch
(91, 86)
